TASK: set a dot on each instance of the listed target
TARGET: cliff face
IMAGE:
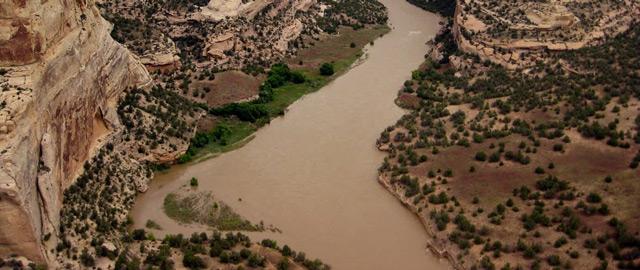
(62, 75)
(517, 34)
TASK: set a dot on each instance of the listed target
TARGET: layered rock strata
(62, 76)
(518, 34)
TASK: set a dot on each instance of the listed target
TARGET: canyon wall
(62, 76)
(518, 34)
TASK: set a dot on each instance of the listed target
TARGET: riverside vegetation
(188, 205)
(284, 84)
(512, 168)
(200, 251)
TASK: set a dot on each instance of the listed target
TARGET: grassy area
(240, 133)
(181, 210)
(337, 48)
(201, 208)
(289, 93)
(341, 51)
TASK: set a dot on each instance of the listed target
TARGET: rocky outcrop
(62, 76)
(218, 45)
(220, 35)
(164, 53)
(221, 9)
(517, 34)
(265, 27)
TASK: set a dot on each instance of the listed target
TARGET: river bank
(312, 173)
(440, 249)
(481, 155)
(342, 51)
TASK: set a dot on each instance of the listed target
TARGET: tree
(594, 198)
(481, 156)
(139, 234)
(558, 147)
(297, 77)
(283, 264)
(327, 69)
(256, 260)
(269, 243)
(286, 251)
(495, 157)
(192, 261)
(193, 182)
(87, 259)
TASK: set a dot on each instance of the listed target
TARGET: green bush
(250, 112)
(327, 69)
(87, 259)
(594, 198)
(193, 182)
(139, 234)
(192, 261)
(297, 77)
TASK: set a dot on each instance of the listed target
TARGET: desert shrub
(327, 69)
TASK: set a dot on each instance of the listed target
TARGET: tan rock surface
(532, 28)
(164, 53)
(221, 9)
(66, 75)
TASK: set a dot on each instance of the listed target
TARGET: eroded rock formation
(62, 76)
(222, 34)
(519, 33)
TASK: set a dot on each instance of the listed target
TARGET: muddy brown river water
(313, 172)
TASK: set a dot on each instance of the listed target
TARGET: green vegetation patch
(202, 208)
(228, 135)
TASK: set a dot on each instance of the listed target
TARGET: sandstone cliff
(62, 77)
(518, 34)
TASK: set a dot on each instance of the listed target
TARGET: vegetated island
(529, 162)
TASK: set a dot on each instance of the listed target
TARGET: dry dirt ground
(228, 87)
(330, 48)
(535, 170)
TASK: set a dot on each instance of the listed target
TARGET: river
(313, 172)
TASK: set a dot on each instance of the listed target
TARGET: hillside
(61, 77)
(512, 168)
(522, 33)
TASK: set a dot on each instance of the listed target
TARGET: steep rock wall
(65, 75)
(513, 42)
